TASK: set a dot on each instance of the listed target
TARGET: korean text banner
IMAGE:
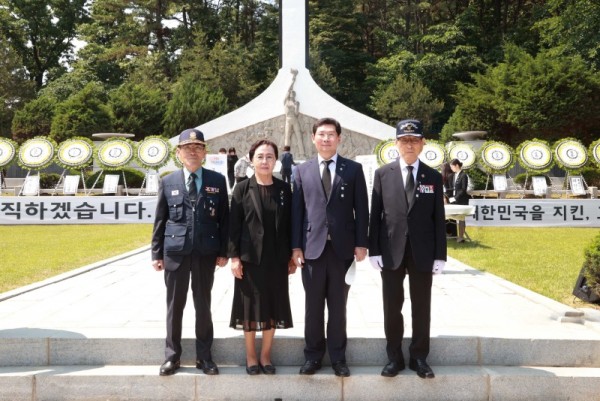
(535, 213)
(77, 209)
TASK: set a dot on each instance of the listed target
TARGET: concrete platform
(97, 333)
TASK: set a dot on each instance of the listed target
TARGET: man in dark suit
(330, 220)
(189, 239)
(407, 236)
(287, 161)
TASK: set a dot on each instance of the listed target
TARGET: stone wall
(353, 143)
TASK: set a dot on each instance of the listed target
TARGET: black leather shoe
(341, 369)
(392, 369)
(310, 367)
(169, 368)
(267, 369)
(420, 366)
(208, 367)
(252, 370)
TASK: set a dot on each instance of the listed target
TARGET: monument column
(293, 34)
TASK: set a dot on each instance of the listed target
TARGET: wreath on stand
(571, 156)
(114, 154)
(8, 150)
(433, 154)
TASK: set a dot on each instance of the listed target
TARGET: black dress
(261, 299)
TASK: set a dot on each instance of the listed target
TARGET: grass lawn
(30, 253)
(544, 260)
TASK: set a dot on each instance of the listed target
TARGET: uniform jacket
(174, 225)
(345, 215)
(392, 222)
(246, 226)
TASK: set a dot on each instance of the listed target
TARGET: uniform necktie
(409, 189)
(192, 189)
(326, 178)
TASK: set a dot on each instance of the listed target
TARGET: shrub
(591, 175)
(133, 177)
(478, 177)
(49, 180)
(591, 265)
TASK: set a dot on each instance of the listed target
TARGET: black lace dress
(261, 299)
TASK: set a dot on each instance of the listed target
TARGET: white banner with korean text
(535, 212)
(77, 209)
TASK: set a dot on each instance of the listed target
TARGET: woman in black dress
(459, 182)
(260, 251)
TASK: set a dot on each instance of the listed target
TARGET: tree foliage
(516, 68)
(82, 114)
(138, 109)
(525, 97)
(41, 31)
(192, 104)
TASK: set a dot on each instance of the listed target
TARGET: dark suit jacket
(460, 188)
(392, 222)
(345, 215)
(287, 161)
(174, 225)
(246, 226)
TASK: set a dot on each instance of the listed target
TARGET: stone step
(452, 383)
(451, 350)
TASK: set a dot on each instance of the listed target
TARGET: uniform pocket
(175, 236)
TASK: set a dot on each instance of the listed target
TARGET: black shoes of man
(419, 365)
(207, 366)
(340, 368)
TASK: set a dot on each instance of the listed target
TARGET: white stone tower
(265, 116)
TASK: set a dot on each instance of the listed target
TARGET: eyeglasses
(410, 141)
(268, 158)
(193, 148)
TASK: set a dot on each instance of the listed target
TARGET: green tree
(572, 28)
(192, 104)
(34, 119)
(405, 99)
(41, 32)
(15, 88)
(138, 109)
(82, 114)
(336, 38)
(525, 97)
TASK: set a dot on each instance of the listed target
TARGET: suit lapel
(253, 190)
(398, 184)
(340, 168)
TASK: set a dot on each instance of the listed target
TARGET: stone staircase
(467, 368)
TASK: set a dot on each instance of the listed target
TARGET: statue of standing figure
(292, 113)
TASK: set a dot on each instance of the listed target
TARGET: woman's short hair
(261, 142)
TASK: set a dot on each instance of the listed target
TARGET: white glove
(438, 266)
(376, 262)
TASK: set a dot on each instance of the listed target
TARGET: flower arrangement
(497, 157)
(570, 154)
(114, 154)
(535, 156)
(37, 153)
(433, 154)
(594, 152)
(463, 152)
(153, 152)
(76, 152)
(386, 151)
(8, 150)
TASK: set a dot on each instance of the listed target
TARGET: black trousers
(324, 282)
(201, 269)
(393, 299)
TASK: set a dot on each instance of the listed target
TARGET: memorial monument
(302, 99)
